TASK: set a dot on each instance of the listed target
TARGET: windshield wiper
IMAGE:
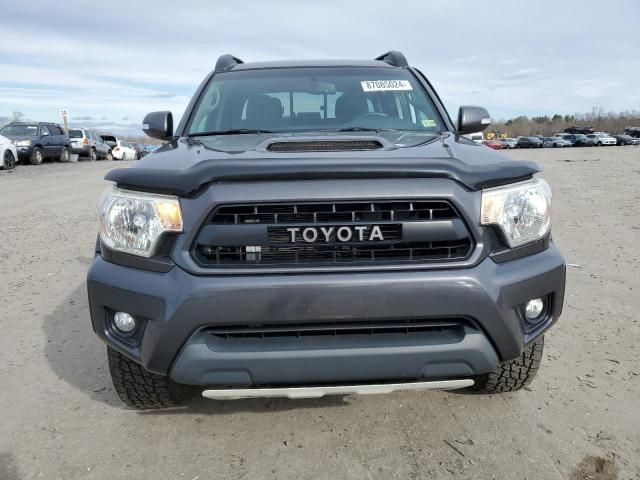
(367, 129)
(235, 131)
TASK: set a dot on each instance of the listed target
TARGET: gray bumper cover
(177, 305)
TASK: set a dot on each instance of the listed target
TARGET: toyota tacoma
(322, 227)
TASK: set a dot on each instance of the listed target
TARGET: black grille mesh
(324, 146)
(269, 255)
(310, 213)
(389, 216)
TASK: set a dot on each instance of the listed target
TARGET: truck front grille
(298, 234)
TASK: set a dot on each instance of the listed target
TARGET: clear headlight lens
(132, 222)
(23, 143)
(521, 210)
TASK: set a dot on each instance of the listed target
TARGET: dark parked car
(38, 141)
(322, 228)
(626, 140)
(88, 144)
(582, 130)
(633, 131)
(529, 142)
(577, 139)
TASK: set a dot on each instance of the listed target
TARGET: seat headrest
(262, 110)
(351, 105)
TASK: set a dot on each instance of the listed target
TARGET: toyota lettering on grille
(329, 234)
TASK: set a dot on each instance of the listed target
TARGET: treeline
(602, 121)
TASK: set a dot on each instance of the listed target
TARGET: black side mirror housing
(158, 125)
(472, 119)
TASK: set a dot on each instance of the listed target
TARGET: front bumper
(24, 153)
(177, 307)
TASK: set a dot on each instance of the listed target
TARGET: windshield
(20, 130)
(312, 99)
(75, 133)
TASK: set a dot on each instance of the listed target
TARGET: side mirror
(472, 119)
(158, 125)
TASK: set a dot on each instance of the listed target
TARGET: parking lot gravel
(61, 419)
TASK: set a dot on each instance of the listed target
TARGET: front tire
(109, 156)
(37, 156)
(65, 156)
(93, 155)
(9, 161)
(139, 388)
(514, 374)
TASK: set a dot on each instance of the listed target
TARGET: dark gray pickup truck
(322, 227)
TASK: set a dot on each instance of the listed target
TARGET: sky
(109, 63)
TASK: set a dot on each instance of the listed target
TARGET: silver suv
(88, 144)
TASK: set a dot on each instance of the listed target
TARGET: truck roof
(310, 63)
(392, 58)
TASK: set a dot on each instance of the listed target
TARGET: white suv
(599, 139)
(8, 154)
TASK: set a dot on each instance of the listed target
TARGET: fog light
(124, 322)
(533, 309)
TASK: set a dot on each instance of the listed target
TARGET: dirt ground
(61, 419)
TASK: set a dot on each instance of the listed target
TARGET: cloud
(520, 64)
(521, 73)
(472, 58)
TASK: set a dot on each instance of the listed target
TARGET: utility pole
(65, 120)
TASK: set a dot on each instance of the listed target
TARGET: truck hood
(185, 165)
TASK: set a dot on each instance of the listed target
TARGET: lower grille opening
(356, 253)
(335, 329)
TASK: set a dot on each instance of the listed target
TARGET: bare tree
(17, 116)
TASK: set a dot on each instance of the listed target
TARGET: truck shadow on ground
(79, 358)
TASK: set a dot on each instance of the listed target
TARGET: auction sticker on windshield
(385, 85)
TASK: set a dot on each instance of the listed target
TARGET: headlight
(132, 222)
(522, 211)
(23, 143)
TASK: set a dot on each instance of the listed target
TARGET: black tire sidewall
(34, 156)
(12, 164)
(65, 155)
